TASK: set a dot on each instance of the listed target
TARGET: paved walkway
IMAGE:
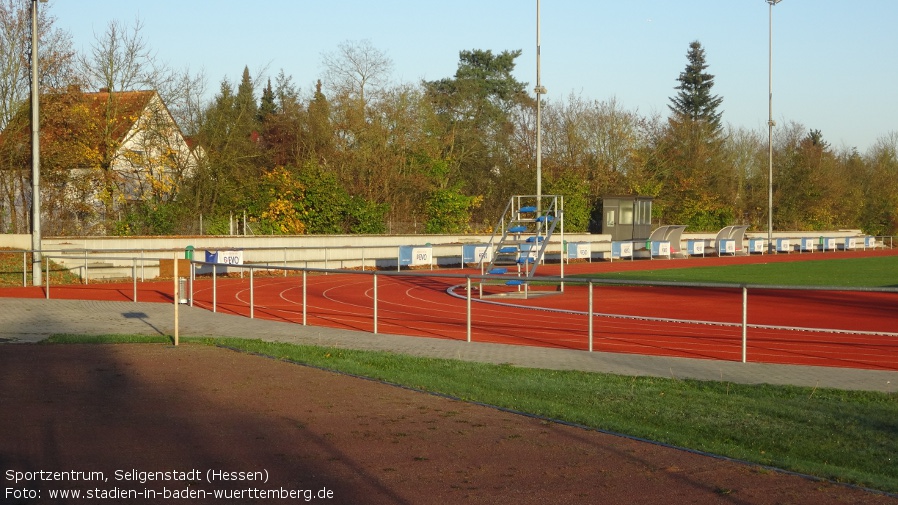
(32, 320)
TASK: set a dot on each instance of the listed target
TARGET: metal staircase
(519, 242)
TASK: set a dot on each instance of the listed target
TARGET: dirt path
(149, 408)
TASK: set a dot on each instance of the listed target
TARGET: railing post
(177, 296)
(590, 317)
(214, 287)
(744, 323)
(134, 277)
(47, 294)
(304, 303)
(191, 279)
(252, 293)
(375, 303)
(25, 269)
(468, 305)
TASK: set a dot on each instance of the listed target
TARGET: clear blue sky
(834, 62)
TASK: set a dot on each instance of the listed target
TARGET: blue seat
(498, 271)
(517, 229)
(527, 210)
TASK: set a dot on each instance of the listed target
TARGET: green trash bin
(188, 252)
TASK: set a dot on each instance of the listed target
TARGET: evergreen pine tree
(694, 102)
(266, 103)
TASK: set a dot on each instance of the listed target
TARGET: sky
(834, 68)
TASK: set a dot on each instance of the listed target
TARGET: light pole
(770, 125)
(35, 154)
(540, 90)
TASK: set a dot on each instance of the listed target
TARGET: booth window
(626, 213)
(644, 212)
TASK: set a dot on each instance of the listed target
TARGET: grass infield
(848, 272)
(844, 436)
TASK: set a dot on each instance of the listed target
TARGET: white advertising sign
(230, 257)
(421, 256)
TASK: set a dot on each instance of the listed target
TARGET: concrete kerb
(33, 320)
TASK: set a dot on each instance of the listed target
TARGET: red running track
(840, 329)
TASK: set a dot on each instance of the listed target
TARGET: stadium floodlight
(35, 154)
(770, 125)
(540, 90)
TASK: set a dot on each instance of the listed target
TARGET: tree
(55, 70)
(354, 68)
(694, 102)
(449, 211)
(233, 169)
(283, 123)
(266, 103)
(55, 67)
(689, 158)
(474, 122)
(320, 143)
(881, 187)
(590, 149)
(119, 59)
(118, 63)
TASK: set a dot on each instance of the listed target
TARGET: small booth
(628, 219)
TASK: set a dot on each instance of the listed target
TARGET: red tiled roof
(81, 125)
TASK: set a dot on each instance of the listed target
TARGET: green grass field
(849, 272)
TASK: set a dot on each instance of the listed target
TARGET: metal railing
(464, 284)
(466, 280)
(83, 261)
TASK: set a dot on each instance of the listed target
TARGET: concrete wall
(115, 257)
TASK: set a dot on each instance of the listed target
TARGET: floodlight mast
(770, 125)
(35, 153)
(540, 91)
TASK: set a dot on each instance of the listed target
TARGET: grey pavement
(32, 320)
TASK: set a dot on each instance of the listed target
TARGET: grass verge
(844, 436)
(848, 272)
